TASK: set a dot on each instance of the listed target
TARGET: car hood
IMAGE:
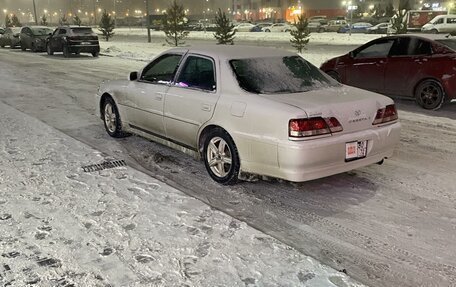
(354, 108)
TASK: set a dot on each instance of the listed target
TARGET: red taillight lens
(313, 127)
(384, 115)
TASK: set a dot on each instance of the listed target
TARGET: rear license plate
(355, 150)
(86, 43)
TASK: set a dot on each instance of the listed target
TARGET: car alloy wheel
(429, 95)
(111, 118)
(221, 157)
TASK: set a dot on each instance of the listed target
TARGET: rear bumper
(307, 160)
(84, 48)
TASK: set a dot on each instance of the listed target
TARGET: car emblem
(357, 113)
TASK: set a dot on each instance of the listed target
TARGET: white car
(278, 27)
(244, 27)
(256, 110)
(441, 24)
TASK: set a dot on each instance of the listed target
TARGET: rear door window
(408, 46)
(198, 72)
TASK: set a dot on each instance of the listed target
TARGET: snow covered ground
(61, 226)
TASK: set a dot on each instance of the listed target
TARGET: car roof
(38, 27)
(228, 52)
(427, 36)
(75, 27)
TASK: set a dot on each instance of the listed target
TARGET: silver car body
(258, 123)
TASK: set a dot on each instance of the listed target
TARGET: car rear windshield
(82, 31)
(272, 75)
(41, 31)
(450, 43)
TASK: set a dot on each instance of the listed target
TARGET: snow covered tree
(106, 26)
(399, 25)
(63, 20)
(8, 22)
(15, 21)
(224, 32)
(389, 10)
(44, 20)
(77, 20)
(300, 35)
(174, 24)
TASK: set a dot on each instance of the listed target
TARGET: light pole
(148, 22)
(115, 14)
(34, 11)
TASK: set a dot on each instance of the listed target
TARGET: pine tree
(389, 10)
(106, 26)
(15, 21)
(398, 22)
(174, 24)
(224, 32)
(300, 34)
(8, 22)
(63, 21)
(44, 20)
(77, 20)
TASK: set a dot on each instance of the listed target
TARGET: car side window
(62, 31)
(451, 20)
(410, 47)
(378, 49)
(197, 72)
(440, 21)
(162, 70)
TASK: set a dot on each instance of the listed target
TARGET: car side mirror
(133, 76)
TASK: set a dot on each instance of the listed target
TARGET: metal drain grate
(104, 165)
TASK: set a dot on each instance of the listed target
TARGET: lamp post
(34, 11)
(148, 22)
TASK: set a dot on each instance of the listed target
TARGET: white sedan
(254, 110)
(244, 27)
(279, 27)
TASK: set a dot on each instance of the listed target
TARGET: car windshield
(450, 43)
(82, 31)
(272, 75)
(41, 31)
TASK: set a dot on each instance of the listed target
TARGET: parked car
(251, 109)
(73, 39)
(244, 27)
(279, 27)
(381, 28)
(360, 27)
(34, 38)
(415, 66)
(334, 25)
(441, 24)
(315, 26)
(259, 27)
(11, 37)
(2, 31)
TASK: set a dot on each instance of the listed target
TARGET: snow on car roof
(427, 36)
(235, 52)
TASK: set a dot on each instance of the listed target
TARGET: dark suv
(73, 39)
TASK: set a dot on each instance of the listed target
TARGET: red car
(423, 67)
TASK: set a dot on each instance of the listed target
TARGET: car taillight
(313, 127)
(384, 115)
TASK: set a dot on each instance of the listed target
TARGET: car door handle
(206, 107)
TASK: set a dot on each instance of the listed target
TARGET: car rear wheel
(111, 118)
(221, 157)
(66, 52)
(23, 48)
(33, 48)
(429, 95)
(267, 30)
(95, 54)
(49, 50)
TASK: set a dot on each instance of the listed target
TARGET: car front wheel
(95, 54)
(221, 157)
(111, 118)
(49, 50)
(429, 95)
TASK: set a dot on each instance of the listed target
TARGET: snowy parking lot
(384, 225)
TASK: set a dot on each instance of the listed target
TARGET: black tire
(23, 48)
(33, 48)
(335, 75)
(66, 52)
(267, 30)
(49, 50)
(429, 95)
(434, 31)
(223, 166)
(111, 118)
(95, 54)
